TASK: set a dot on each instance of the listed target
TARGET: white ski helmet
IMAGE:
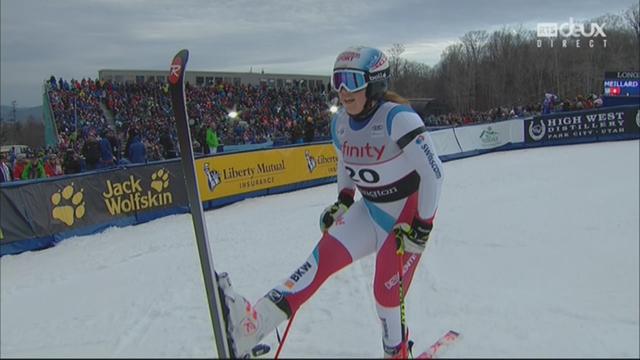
(361, 67)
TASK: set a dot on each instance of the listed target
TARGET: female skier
(385, 152)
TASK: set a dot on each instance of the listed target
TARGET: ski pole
(284, 337)
(403, 320)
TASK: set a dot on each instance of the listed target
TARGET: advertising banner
(234, 174)
(583, 124)
(35, 210)
(484, 136)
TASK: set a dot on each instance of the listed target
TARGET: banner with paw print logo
(147, 188)
(33, 210)
(68, 204)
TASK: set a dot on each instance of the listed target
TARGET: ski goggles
(350, 80)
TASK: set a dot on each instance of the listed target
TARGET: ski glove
(336, 210)
(414, 237)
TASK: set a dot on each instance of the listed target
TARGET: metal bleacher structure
(208, 78)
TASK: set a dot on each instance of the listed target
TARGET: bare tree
(395, 52)
(454, 73)
(29, 132)
(632, 17)
(512, 67)
(474, 46)
(33, 132)
(4, 133)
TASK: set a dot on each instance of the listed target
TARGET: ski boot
(395, 352)
(247, 324)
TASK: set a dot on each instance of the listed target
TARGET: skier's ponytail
(395, 97)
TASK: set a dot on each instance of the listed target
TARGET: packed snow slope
(534, 254)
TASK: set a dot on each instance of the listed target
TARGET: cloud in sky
(76, 38)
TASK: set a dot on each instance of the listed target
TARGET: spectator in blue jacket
(137, 151)
(106, 152)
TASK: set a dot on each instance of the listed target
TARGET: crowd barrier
(603, 124)
(38, 214)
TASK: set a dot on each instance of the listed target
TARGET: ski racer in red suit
(385, 152)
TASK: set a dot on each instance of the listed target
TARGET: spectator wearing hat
(309, 129)
(18, 169)
(91, 152)
(597, 101)
(168, 147)
(34, 169)
(201, 137)
(212, 139)
(115, 143)
(549, 103)
(152, 150)
(5, 170)
(197, 148)
(52, 166)
(296, 133)
(106, 152)
(131, 134)
(137, 151)
(71, 162)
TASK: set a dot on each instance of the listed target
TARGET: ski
(446, 339)
(215, 297)
(178, 102)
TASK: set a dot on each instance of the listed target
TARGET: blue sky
(76, 38)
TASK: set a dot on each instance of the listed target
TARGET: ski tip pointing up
(176, 73)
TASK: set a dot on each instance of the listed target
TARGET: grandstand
(269, 109)
(245, 110)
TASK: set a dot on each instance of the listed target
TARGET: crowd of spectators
(32, 164)
(550, 104)
(101, 124)
(263, 114)
(478, 117)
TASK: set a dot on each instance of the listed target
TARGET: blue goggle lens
(352, 81)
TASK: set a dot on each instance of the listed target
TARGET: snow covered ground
(535, 254)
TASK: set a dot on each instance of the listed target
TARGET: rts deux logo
(570, 34)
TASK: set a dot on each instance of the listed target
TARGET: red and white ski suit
(391, 160)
